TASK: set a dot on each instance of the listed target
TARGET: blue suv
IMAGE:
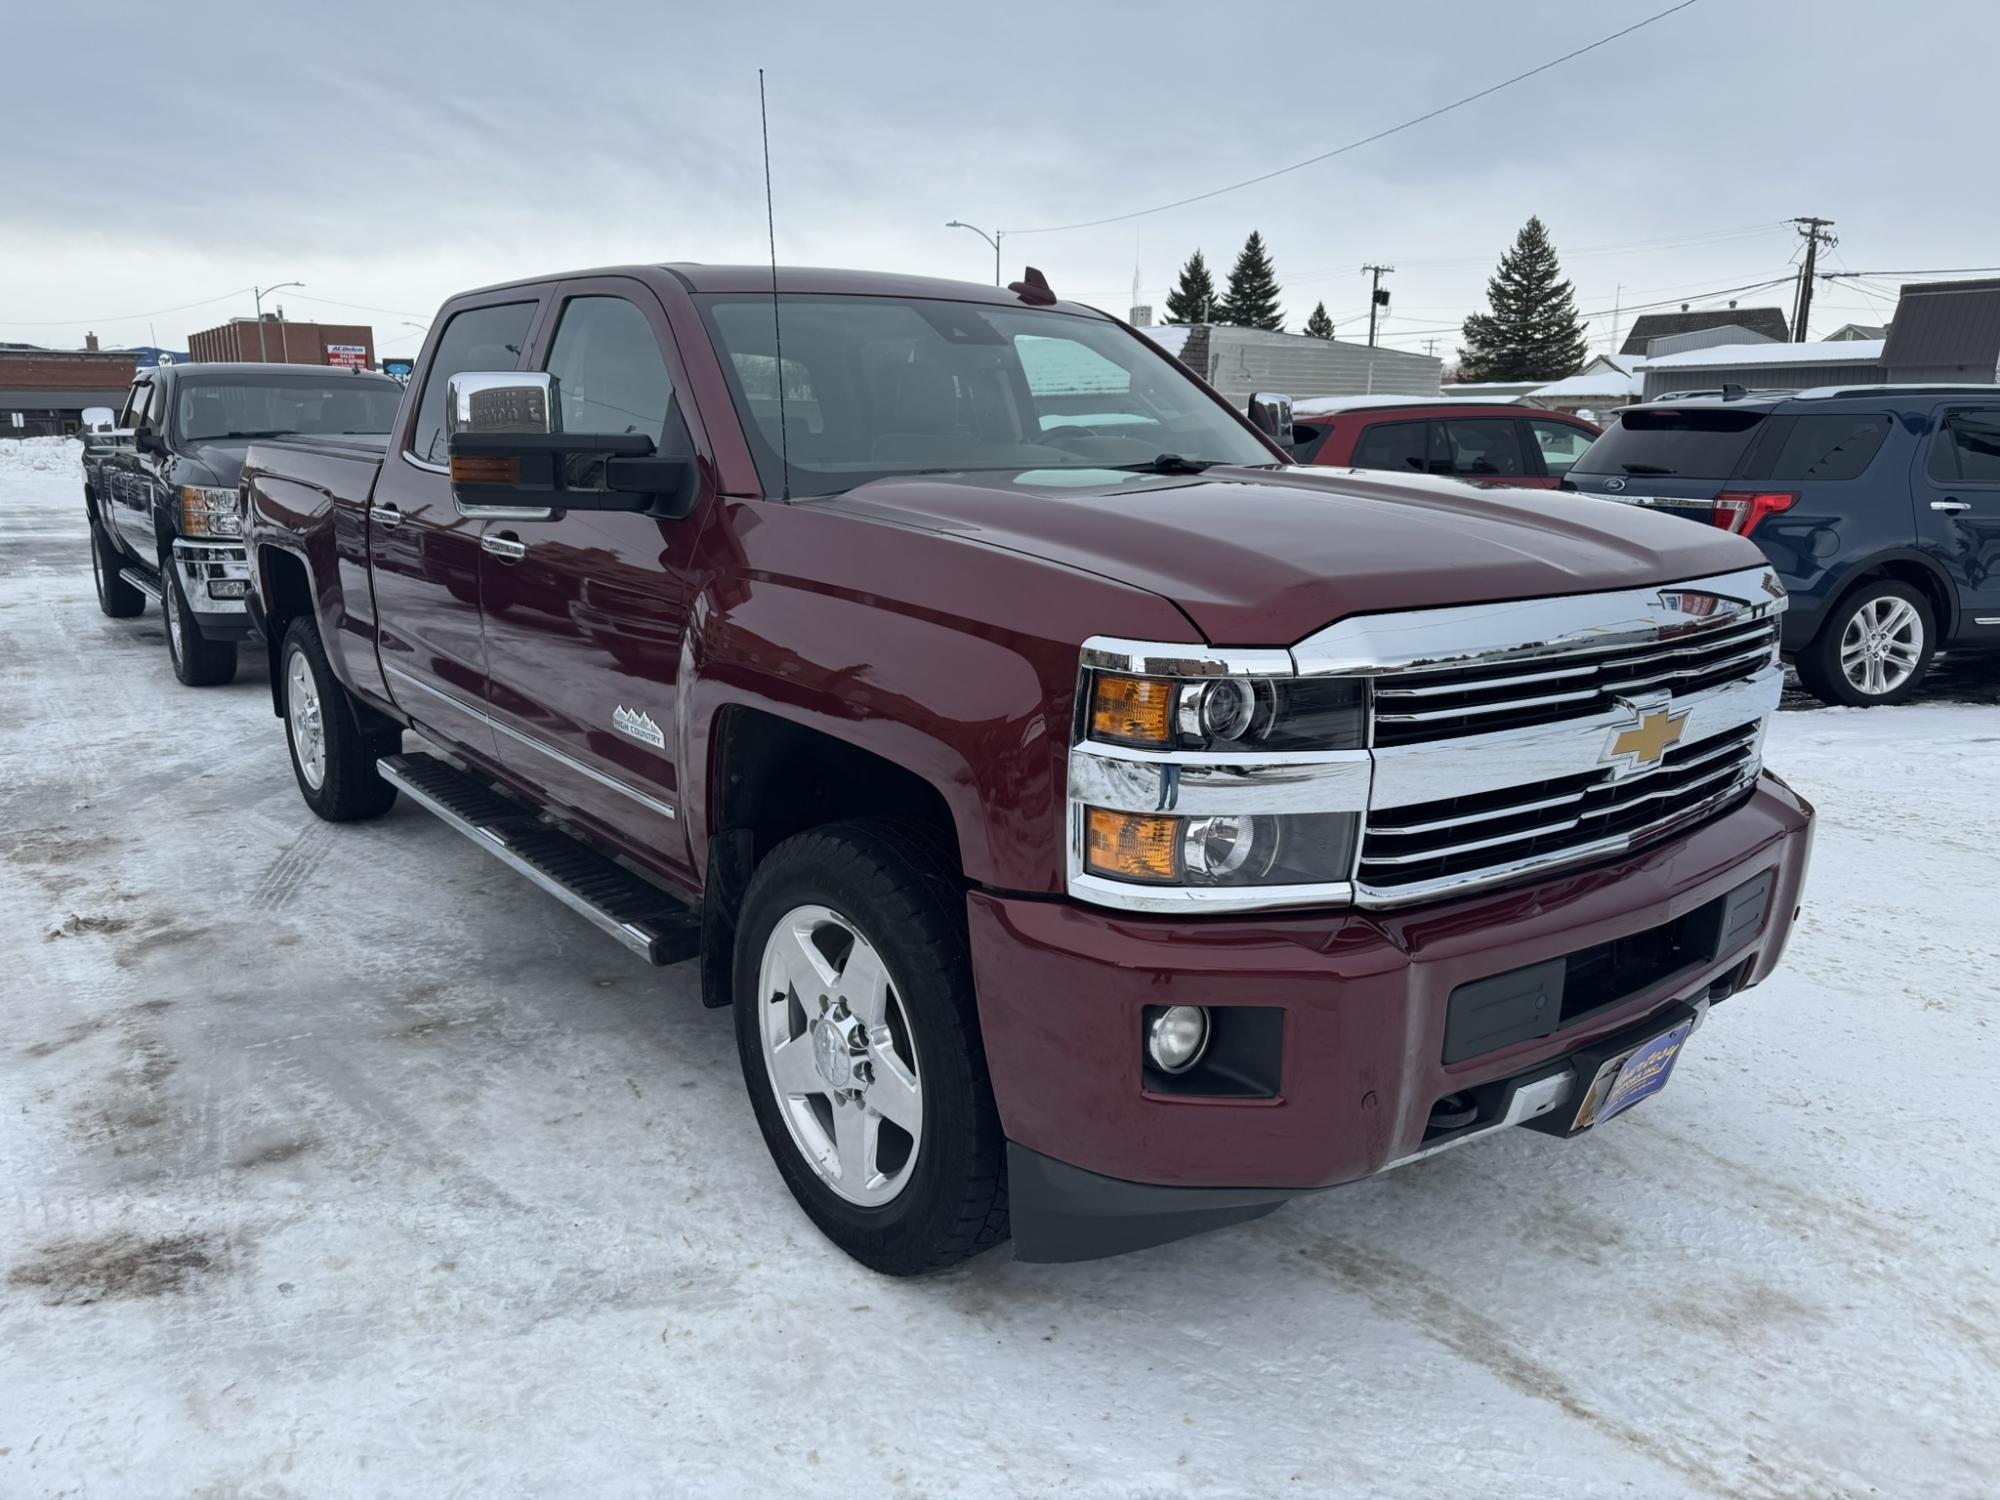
(1879, 507)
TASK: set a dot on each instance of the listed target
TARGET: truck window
(480, 338)
(1966, 449)
(907, 385)
(239, 406)
(1830, 446)
(133, 412)
(1689, 442)
(610, 375)
(1402, 446)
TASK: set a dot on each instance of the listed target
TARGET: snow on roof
(1171, 337)
(1326, 406)
(1845, 352)
(1591, 383)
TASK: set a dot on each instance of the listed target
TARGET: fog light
(227, 588)
(1177, 1038)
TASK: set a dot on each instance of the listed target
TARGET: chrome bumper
(215, 576)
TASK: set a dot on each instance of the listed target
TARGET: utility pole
(992, 239)
(1617, 308)
(1377, 298)
(1814, 233)
(258, 294)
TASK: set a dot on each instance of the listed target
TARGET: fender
(1841, 581)
(951, 659)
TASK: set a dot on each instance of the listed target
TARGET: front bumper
(215, 578)
(1365, 999)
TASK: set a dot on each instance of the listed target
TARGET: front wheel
(198, 661)
(332, 758)
(859, 1040)
(1873, 648)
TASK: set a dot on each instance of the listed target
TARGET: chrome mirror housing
(491, 401)
(1271, 414)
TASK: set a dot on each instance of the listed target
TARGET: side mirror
(1271, 414)
(148, 441)
(502, 432)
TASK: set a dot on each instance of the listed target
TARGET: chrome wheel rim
(302, 713)
(840, 1054)
(1881, 646)
(173, 623)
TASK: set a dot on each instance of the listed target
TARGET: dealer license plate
(1640, 1074)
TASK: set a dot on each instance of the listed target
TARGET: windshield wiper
(1168, 463)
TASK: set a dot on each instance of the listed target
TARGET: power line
(1934, 271)
(395, 312)
(158, 312)
(1365, 140)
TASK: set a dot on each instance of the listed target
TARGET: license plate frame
(1632, 1076)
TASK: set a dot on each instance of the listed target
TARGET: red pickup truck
(1096, 823)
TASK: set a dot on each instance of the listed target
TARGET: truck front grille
(1543, 822)
(1448, 702)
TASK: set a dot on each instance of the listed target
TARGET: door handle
(1951, 507)
(387, 516)
(505, 546)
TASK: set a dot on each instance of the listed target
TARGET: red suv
(1499, 444)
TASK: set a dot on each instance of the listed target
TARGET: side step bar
(637, 913)
(142, 583)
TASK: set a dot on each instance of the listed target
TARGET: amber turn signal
(485, 470)
(1133, 846)
(1135, 710)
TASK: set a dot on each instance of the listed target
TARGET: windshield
(261, 406)
(881, 386)
(1692, 443)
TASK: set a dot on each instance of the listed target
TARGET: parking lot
(307, 1190)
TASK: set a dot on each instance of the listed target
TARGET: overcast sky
(390, 154)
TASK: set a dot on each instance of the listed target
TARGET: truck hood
(1266, 557)
(211, 463)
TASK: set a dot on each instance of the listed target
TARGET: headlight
(1230, 849)
(210, 511)
(1229, 713)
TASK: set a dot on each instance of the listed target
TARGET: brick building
(43, 391)
(278, 341)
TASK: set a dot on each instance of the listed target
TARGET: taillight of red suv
(1741, 511)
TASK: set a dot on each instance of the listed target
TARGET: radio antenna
(777, 330)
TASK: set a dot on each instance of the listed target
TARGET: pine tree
(1252, 298)
(1194, 300)
(1319, 325)
(1533, 331)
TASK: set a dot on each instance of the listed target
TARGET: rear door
(1957, 490)
(423, 554)
(1487, 450)
(1556, 446)
(584, 612)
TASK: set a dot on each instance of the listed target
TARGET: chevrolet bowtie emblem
(1640, 746)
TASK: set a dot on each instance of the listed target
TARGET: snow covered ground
(307, 1190)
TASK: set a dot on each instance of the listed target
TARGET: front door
(133, 473)
(1956, 490)
(585, 612)
(423, 555)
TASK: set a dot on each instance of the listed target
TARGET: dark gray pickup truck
(160, 489)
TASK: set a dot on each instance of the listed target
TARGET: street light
(257, 296)
(992, 239)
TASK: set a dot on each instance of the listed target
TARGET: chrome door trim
(1951, 507)
(509, 549)
(387, 514)
(665, 810)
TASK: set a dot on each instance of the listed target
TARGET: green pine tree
(1194, 300)
(1252, 298)
(1533, 331)
(1319, 325)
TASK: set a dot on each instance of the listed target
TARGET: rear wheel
(115, 596)
(332, 757)
(198, 661)
(859, 1041)
(1874, 648)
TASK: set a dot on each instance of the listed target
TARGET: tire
(1873, 649)
(116, 597)
(937, 1195)
(198, 661)
(333, 760)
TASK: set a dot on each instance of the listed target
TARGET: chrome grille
(1542, 822)
(1479, 697)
